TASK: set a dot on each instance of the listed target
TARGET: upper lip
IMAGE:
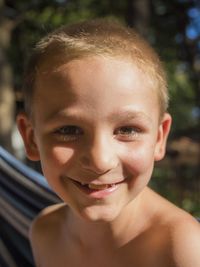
(97, 182)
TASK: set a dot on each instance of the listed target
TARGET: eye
(127, 133)
(69, 132)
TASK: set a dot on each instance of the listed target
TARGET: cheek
(139, 159)
(55, 159)
(62, 155)
(138, 166)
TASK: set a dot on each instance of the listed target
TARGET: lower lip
(94, 193)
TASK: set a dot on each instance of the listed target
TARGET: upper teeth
(100, 186)
(97, 186)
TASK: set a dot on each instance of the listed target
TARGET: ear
(163, 132)
(26, 130)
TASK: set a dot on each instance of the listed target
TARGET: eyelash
(72, 133)
(127, 133)
(69, 133)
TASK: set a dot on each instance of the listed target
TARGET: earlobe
(27, 132)
(163, 133)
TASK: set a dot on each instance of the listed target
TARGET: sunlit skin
(101, 127)
(97, 121)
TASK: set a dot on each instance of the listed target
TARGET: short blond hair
(96, 37)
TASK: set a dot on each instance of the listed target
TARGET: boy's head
(98, 37)
(98, 97)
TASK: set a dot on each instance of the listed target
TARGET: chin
(99, 214)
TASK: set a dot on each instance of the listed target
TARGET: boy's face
(97, 132)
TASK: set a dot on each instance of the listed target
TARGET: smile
(98, 186)
(96, 190)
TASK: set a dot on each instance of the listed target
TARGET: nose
(99, 155)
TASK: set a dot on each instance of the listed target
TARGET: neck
(114, 233)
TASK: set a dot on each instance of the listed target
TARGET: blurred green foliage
(181, 189)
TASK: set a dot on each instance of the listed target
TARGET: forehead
(56, 70)
(93, 81)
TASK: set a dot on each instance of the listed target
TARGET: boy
(96, 101)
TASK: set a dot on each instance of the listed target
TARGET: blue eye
(69, 133)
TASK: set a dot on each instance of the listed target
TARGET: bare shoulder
(185, 236)
(183, 232)
(180, 232)
(47, 217)
(44, 228)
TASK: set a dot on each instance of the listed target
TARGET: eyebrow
(120, 115)
(130, 114)
(63, 115)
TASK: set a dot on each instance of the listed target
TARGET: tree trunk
(7, 101)
(138, 15)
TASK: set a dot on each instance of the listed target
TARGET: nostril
(100, 157)
(98, 165)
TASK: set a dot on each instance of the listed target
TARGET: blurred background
(172, 28)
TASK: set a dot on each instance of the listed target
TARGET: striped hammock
(23, 193)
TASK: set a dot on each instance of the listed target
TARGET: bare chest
(126, 257)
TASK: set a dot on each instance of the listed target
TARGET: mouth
(96, 190)
(96, 186)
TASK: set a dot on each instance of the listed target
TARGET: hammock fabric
(23, 193)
